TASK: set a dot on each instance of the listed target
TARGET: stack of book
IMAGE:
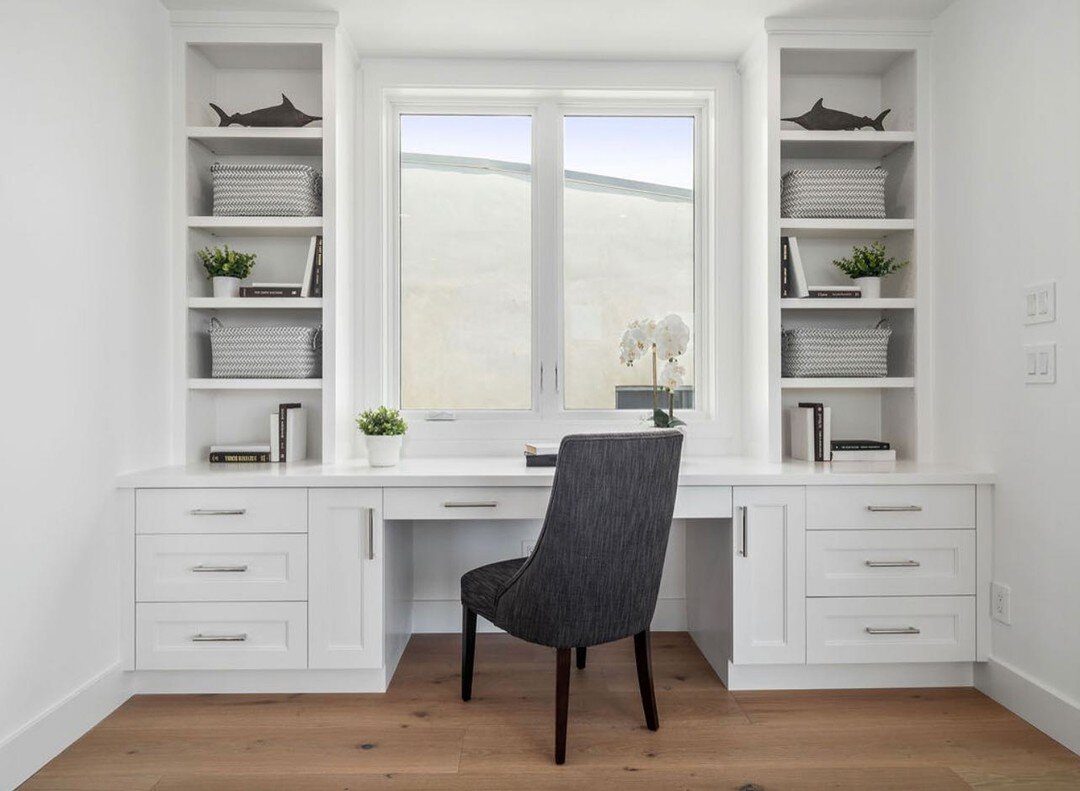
(811, 429)
(310, 286)
(862, 450)
(793, 277)
(541, 454)
(288, 441)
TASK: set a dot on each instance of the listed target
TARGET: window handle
(541, 377)
(556, 378)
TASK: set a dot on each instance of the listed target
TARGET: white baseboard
(43, 738)
(1050, 711)
(444, 615)
(854, 676)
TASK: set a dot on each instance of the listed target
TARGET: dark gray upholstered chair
(595, 572)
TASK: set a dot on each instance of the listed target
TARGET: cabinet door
(345, 578)
(769, 585)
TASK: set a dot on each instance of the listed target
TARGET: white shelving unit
(240, 63)
(863, 69)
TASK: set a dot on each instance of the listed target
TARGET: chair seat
(481, 587)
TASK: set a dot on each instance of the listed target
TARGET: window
(528, 238)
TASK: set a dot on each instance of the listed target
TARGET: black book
(269, 291)
(239, 458)
(859, 444)
(282, 424)
(317, 271)
(542, 460)
(785, 267)
(835, 293)
(819, 428)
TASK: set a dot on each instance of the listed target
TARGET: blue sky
(656, 150)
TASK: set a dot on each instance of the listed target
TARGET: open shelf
(849, 383)
(860, 144)
(248, 303)
(886, 303)
(303, 141)
(853, 228)
(255, 384)
(257, 226)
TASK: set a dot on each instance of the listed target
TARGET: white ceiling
(631, 29)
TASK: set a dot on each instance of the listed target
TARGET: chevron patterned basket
(834, 194)
(279, 190)
(820, 351)
(265, 352)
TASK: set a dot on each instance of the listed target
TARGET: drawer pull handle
(893, 630)
(218, 511)
(218, 569)
(480, 504)
(893, 564)
(219, 638)
(893, 508)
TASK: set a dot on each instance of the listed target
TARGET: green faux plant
(381, 422)
(226, 262)
(869, 261)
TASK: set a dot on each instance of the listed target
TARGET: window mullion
(546, 181)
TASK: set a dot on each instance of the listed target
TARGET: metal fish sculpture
(284, 114)
(821, 118)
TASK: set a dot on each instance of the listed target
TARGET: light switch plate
(1040, 302)
(1040, 363)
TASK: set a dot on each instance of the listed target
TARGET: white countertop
(511, 471)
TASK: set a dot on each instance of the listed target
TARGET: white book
(852, 289)
(295, 435)
(542, 448)
(305, 286)
(801, 430)
(797, 286)
(275, 285)
(239, 448)
(864, 455)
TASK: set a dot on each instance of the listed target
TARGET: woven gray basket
(837, 193)
(820, 351)
(277, 190)
(265, 352)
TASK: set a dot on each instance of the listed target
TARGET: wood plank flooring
(420, 735)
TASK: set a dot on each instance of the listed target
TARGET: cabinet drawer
(472, 502)
(709, 502)
(890, 562)
(891, 629)
(221, 636)
(221, 511)
(269, 567)
(875, 507)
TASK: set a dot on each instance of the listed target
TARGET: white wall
(1007, 193)
(83, 193)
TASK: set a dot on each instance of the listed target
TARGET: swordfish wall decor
(284, 114)
(821, 118)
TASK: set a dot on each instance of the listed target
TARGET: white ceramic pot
(226, 287)
(384, 451)
(871, 287)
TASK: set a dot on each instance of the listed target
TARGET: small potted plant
(384, 429)
(665, 340)
(867, 266)
(226, 268)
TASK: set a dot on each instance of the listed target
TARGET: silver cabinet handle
(744, 548)
(891, 508)
(217, 511)
(217, 569)
(893, 630)
(480, 504)
(893, 564)
(371, 534)
(219, 638)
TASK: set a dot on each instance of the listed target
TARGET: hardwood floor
(421, 735)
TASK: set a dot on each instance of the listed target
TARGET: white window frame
(395, 88)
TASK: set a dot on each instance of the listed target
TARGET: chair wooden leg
(643, 655)
(562, 702)
(468, 651)
(581, 658)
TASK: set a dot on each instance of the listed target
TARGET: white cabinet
(345, 578)
(769, 575)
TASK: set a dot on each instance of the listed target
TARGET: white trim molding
(1049, 710)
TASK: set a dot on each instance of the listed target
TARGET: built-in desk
(299, 577)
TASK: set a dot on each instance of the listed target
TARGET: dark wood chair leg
(581, 658)
(643, 655)
(468, 651)
(562, 702)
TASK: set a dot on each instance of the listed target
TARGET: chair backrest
(595, 572)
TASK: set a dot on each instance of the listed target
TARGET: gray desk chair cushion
(595, 573)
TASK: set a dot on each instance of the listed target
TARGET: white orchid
(672, 375)
(636, 341)
(672, 337)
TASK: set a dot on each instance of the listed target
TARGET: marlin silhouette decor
(284, 114)
(821, 118)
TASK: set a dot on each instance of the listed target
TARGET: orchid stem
(655, 402)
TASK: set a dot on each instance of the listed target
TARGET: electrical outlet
(1040, 364)
(527, 547)
(1040, 302)
(999, 603)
